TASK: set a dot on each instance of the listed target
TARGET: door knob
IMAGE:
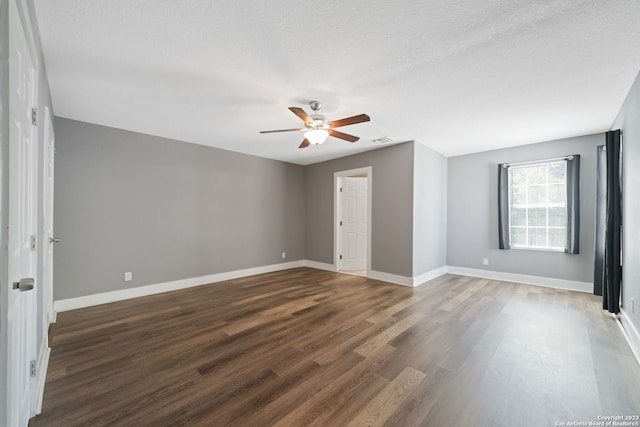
(53, 240)
(24, 284)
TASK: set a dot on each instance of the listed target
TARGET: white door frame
(45, 261)
(47, 212)
(337, 235)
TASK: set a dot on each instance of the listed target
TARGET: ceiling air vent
(383, 140)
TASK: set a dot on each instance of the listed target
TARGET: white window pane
(537, 237)
(518, 195)
(557, 172)
(537, 217)
(518, 176)
(557, 193)
(518, 236)
(557, 217)
(536, 175)
(537, 194)
(518, 217)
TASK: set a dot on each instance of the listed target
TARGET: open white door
(21, 310)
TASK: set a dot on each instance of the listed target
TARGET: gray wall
(629, 121)
(166, 210)
(392, 207)
(429, 210)
(473, 219)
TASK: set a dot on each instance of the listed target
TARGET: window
(538, 206)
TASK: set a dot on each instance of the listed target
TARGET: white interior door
(47, 215)
(21, 313)
(354, 223)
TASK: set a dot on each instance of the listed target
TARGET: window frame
(546, 205)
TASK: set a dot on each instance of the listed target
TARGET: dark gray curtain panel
(601, 221)
(572, 245)
(503, 207)
(613, 235)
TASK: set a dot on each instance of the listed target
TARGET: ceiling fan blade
(344, 136)
(302, 114)
(305, 143)
(280, 130)
(350, 121)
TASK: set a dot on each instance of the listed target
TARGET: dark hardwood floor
(307, 347)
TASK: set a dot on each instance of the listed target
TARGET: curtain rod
(506, 165)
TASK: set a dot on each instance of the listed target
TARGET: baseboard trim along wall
(141, 291)
(630, 333)
(391, 278)
(429, 275)
(123, 294)
(407, 281)
(319, 265)
(547, 282)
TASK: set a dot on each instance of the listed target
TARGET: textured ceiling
(458, 76)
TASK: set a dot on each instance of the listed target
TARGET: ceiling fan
(318, 128)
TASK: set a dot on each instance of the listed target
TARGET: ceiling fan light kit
(316, 136)
(317, 128)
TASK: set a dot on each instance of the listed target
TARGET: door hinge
(33, 369)
(33, 242)
(34, 116)
(340, 223)
(340, 256)
(341, 189)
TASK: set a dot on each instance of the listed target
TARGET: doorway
(352, 221)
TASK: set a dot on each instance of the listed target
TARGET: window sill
(531, 248)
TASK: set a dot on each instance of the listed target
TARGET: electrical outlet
(485, 261)
(128, 276)
(284, 255)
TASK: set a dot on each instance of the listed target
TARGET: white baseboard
(386, 277)
(547, 282)
(123, 294)
(429, 275)
(407, 281)
(319, 265)
(630, 333)
(41, 372)
(391, 278)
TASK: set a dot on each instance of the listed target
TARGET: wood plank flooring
(307, 347)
